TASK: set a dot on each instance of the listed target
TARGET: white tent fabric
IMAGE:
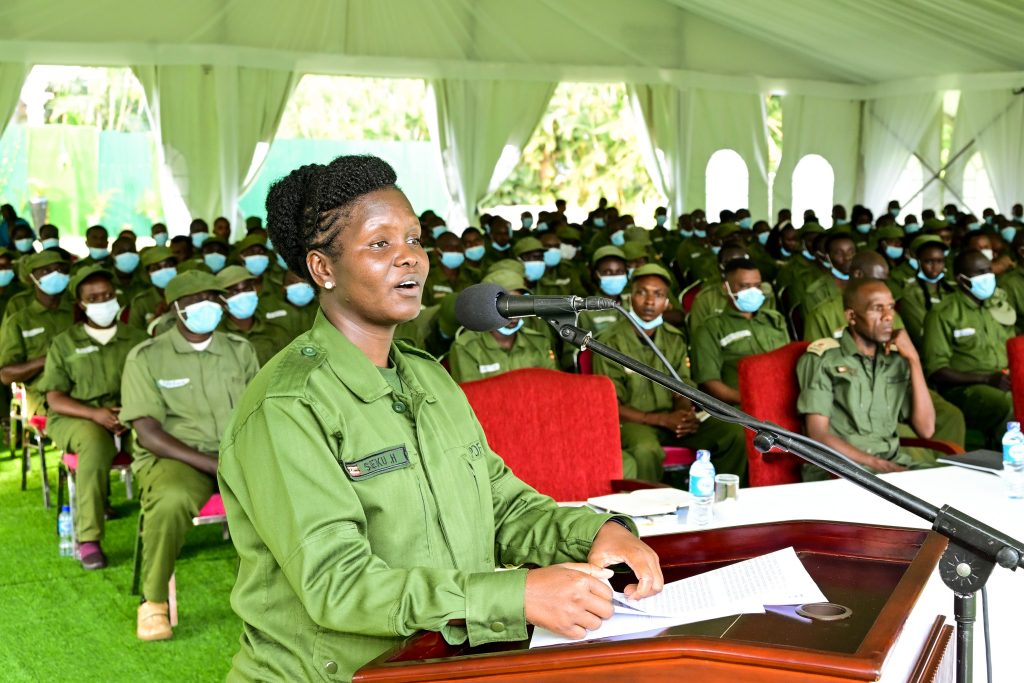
(12, 76)
(824, 126)
(894, 128)
(477, 123)
(995, 121)
(210, 120)
(660, 111)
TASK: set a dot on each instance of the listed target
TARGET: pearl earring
(328, 285)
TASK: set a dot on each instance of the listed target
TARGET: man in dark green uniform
(82, 384)
(965, 339)
(241, 301)
(743, 329)
(294, 312)
(711, 300)
(608, 278)
(177, 393)
(97, 240)
(1012, 281)
(160, 267)
(25, 335)
(650, 416)
(836, 254)
(855, 390)
(530, 253)
(447, 274)
(128, 280)
(561, 277)
(929, 287)
(803, 267)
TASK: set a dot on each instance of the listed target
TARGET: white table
(978, 494)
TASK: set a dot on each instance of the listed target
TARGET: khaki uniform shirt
(634, 390)
(711, 301)
(723, 340)
(27, 334)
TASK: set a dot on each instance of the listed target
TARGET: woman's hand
(615, 544)
(568, 599)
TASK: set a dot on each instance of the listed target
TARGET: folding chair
(66, 475)
(33, 434)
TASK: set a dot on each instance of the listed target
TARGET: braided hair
(310, 206)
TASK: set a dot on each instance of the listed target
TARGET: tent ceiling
(845, 41)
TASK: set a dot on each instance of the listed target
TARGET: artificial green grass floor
(61, 623)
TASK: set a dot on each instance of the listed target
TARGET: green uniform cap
(812, 228)
(569, 233)
(82, 273)
(214, 240)
(526, 245)
(4, 251)
(652, 269)
(935, 224)
(890, 232)
(509, 264)
(191, 282)
(39, 260)
(253, 223)
(634, 250)
(249, 241)
(507, 279)
(637, 234)
(726, 230)
(232, 275)
(924, 240)
(155, 255)
(605, 252)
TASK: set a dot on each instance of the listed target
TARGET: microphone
(488, 306)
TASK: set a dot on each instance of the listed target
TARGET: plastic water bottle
(702, 489)
(1013, 460)
(66, 530)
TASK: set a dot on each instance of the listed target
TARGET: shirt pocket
(469, 511)
(850, 397)
(178, 395)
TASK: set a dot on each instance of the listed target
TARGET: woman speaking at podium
(361, 493)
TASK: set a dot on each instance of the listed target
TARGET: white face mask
(568, 251)
(103, 313)
(988, 254)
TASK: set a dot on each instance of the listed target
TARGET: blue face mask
(660, 219)
(161, 239)
(618, 238)
(541, 227)
(989, 219)
(930, 280)
(838, 274)
(686, 233)
(700, 233)
(748, 300)
(762, 238)
(983, 286)
(528, 222)
(438, 230)
(533, 270)
(894, 252)
(1008, 233)
(745, 223)
(842, 221)
(256, 263)
(716, 248)
(452, 259)
(98, 253)
(599, 222)
(552, 257)
(500, 247)
(215, 261)
(807, 254)
(612, 285)
(197, 241)
(974, 226)
(23, 245)
(126, 261)
(269, 244)
(646, 324)
(913, 263)
(509, 331)
(50, 243)
(863, 228)
(53, 283)
(894, 212)
(911, 228)
(243, 304)
(475, 253)
(6, 277)
(161, 277)
(281, 262)
(201, 317)
(950, 220)
(299, 293)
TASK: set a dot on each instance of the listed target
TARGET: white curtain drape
(660, 113)
(824, 126)
(994, 119)
(893, 130)
(478, 123)
(210, 120)
(12, 77)
(725, 120)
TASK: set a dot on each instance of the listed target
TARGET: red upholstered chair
(557, 431)
(769, 391)
(33, 435)
(585, 362)
(1015, 351)
(66, 475)
(689, 294)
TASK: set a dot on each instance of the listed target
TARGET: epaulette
(820, 346)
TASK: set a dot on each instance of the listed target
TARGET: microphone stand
(973, 549)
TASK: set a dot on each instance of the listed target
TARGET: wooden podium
(876, 571)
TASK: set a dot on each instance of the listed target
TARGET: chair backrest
(557, 431)
(585, 362)
(769, 391)
(689, 294)
(1015, 351)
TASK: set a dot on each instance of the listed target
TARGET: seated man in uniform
(160, 267)
(608, 276)
(177, 392)
(743, 329)
(241, 302)
(650, 415)
(855, 390)
(448, 275)
(965, 339)
(929, 287)
(1012, 281)
(712, 300)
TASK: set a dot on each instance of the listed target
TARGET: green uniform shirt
(723, 340)
(8, 293)
(126, 292)
(563, 279)
(84, 369)
(142, 310)
(266, 339)
(438, 286)
(690, 249)
(475, 355)
(633, 390)
(865, 398)
(291, 319)
(362, 514)
(190, 393)
(818, 292)
(18, 300)
(828, 319)
(900, 278)
(1012, 282)
(915, 304)
(27, 335)
(711, 300)
(961, 335)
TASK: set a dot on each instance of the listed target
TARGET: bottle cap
(65, 508)
(703, 453)
(1010, 426)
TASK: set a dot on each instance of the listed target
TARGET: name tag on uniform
(735, 336)
(695, 255)
(172, 383)
(35, 331)
(275, 314)
(87, 349)
(965, 332)
(381, 462)
(604, 318)
(442, 288)
(838, 334)
(562, 281)
(491, 367)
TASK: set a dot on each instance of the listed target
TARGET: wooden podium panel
(876, 571)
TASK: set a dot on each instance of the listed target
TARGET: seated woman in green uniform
(82, 382)
(363, 499)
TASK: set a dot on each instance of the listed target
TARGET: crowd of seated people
(146, 350)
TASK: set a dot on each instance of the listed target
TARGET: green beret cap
(39, 260)
(890, 232)
(634, 250)
(605, 252)
(82, 273)
(652, 269)
(507, 264)
(153, 255)
(637, 234)
(726, 229)
(569, 233)
(507, 279)
(248, 241)
(810, 229)
(191, 282)
(526, 245)
(232, 275)
(924, 240)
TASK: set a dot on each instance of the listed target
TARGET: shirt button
(309, 351)
(331, 667)
(398, 407)
(498, 627)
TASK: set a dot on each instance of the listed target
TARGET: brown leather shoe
(153, 622)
